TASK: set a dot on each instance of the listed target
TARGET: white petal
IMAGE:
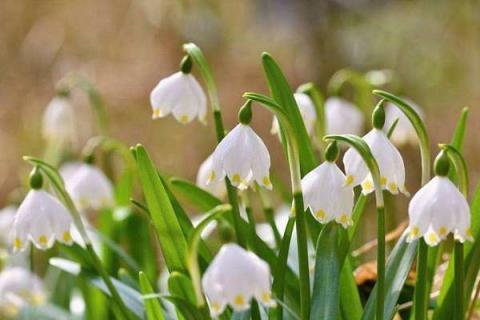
(389, 159)
(40, 217)
(90, 188)
(242, 155)
(237, 276)
(260, 160)
(163, 97)
(307, 110)
(342, 117)
(404, 131)
(58, 121)
(204, 175)
(355, 168)
(327, 196)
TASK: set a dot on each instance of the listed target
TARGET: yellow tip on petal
(266, 181)
(67, 237)
(266, 297)
(42, 240)
(212, 176)
(18, 244)
(393, 187)
(216, 308)
(349, 180)
(345, 220)
(157, 113)
(184, 119)
(469, 233)
(415, 231)
(442, 231)
(432, 239)
(367, 185)
(239, 301)
(383, 181)
(320, 215)
(236, 178)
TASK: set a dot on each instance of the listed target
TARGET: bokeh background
(126, 46)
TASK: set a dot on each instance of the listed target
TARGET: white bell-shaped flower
(216, 188)
(90, 188)
(234, 277)
(58, 124)
(181, 95)
(327, 196)
(342, 117)
(404, 132)
(41, 218)
(390, 163)
(307, 110)
(19, 287)
(437, 209)
(243, 157)
(7, 216)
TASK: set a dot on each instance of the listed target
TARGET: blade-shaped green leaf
(282, 94)
(153, 308)
(170, 235)
(398, 266)
(350, 303)
(201, 199)
(326, 282)
(132, 298)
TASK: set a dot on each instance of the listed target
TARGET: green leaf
(186, 309)
(460, 129)
(170, 235)
(326, 282)
(153, 308)
(202, 200)
(398, 266)
(282, 94)
(131, 298)
(45, 312)
(350, 303)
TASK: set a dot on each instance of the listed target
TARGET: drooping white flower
(342, 117)
(327, 196)
(307, 110)
(437, 209)
(41, 219)
(19, 287)
(7, 216)
(217, 188)
(243, 157)
(404, 131)
(58, 124)
(69, 169)
(390, 163)
(234, 277)
(89, 188)
(181, 95)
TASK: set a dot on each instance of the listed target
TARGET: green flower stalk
(364, 151)
(298, 211)
(197, 57)
(422, 285)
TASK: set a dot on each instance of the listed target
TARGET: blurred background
(125, 47)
